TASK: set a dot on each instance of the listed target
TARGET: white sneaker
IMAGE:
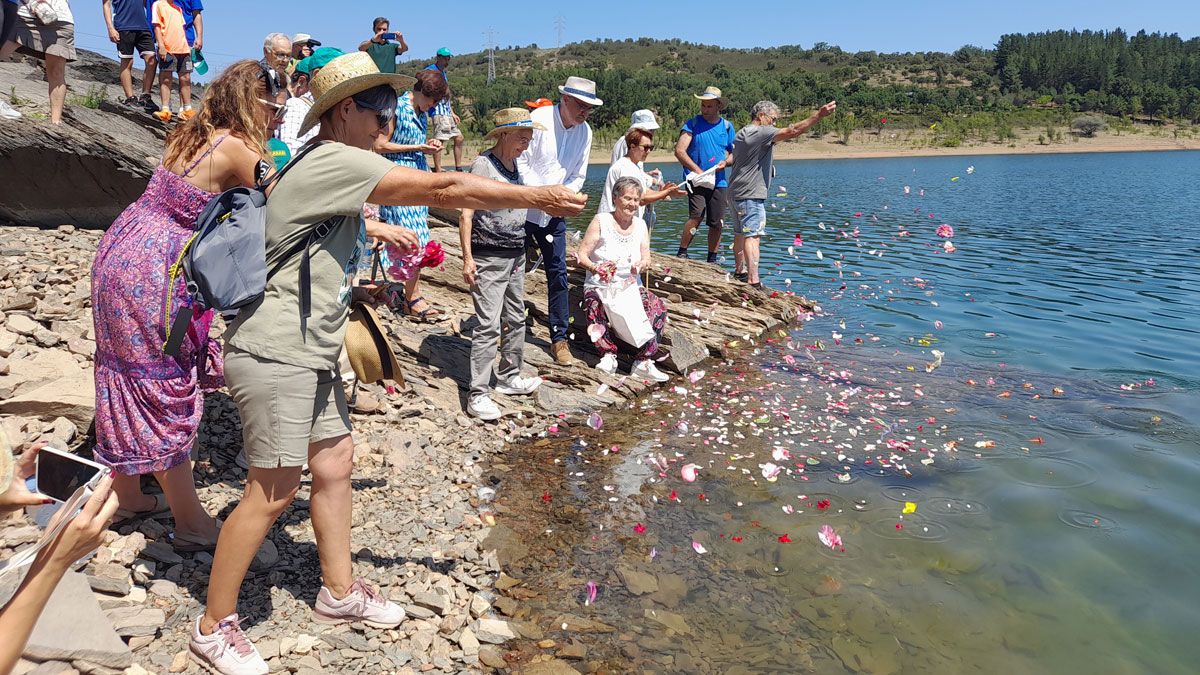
(227, 651)
(645, 370)
(519, 386)
(8, 112)
(363, 603)
(608, 364)
(483, 407)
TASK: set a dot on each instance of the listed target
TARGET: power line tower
(489, 37)
(560, 25)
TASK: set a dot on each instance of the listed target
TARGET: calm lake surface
(1051, 453)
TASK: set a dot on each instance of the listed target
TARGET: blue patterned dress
(410, 130)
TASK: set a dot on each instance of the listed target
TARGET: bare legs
(185, 89)
(126, 76)
(268, 492)
(689, 231)
(180, 490)
(165, 79)
(458, 155)
(56, 77)
(750, 252)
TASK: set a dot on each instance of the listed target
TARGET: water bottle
(45, 13)
(198, 62)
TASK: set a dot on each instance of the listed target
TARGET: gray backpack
(225, 261)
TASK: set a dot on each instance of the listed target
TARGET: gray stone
(479, 606)
(162, 553)
(267, 556)
(72, 627)
(636, 581)
(669, 619)
(352, 641)
(493, 631)
(110, 586)
(72, 396)
(53, 668)
(22, 325)
(136, 621)
(686, 350)
(417, 612)
(468, 642)
(492, 657)
(434, 601)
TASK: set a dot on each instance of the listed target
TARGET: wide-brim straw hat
(512, 119)
(367, 347)
(582, 89)
(711, 94)
(344, 77)
(6, 462)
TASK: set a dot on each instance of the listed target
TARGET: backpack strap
(308, 147)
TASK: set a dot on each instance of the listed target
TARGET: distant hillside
(1121, 75)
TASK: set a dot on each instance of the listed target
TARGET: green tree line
(1110, 72)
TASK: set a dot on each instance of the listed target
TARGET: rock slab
(72, 627)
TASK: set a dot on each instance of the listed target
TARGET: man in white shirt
(558, 156)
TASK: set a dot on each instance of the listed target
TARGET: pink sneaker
(362, 603)
(227, 651)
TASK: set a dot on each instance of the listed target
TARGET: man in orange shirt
(174, 55)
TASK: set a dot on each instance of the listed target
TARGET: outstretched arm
(403, 186)
(793, 130)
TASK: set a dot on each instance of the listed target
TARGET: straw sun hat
(512, 119)
(367, 347)
(711, 93)
(344, 77)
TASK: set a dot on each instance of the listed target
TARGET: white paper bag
(626, 315)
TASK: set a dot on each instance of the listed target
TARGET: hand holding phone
(23, 492)
(60, 473)
(388, 36)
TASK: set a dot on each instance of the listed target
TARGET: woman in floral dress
(149, 404)
(408, 147)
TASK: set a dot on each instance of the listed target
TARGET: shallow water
(1056, 514)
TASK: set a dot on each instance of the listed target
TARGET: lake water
(1051, 453)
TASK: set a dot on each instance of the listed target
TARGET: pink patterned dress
(148, 404)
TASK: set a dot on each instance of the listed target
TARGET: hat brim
(709, 97)
(586, 98)
(500, 131)
(367, 348)
(645, 126)
(344, 90)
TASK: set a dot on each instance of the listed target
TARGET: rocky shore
(422, 513)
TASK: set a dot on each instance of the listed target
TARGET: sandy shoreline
(827, 148)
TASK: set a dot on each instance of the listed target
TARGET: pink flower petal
(698, 547)
(688, 472)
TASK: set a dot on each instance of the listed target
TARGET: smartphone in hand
(388, 36)
(60, 473)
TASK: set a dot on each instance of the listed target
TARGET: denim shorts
(751, 217)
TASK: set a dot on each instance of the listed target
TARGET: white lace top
(625, 250)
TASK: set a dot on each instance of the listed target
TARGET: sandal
(422, 316)
(190, 543)
(160, 506)
(757, 286)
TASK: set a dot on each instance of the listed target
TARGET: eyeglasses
(282, 55)
(647, 148)
(583, 107)
(279, 109)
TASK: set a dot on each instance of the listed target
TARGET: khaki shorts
(444, 128)
(284, 408)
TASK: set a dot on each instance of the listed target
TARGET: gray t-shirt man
(753, 152)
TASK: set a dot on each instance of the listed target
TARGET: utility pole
(489, 37)
(560, 25)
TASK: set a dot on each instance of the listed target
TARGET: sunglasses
(279, 109)
(646, 147)
(274, 85)
(382, 117)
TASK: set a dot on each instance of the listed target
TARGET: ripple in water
(953, 506)
(1050, 472)
(1157, 424)
(903, 493)
(911, 527)
(1086, 520)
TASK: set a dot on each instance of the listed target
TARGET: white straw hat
(643, 119)
(582, 89)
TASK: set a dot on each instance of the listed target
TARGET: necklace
(513, 176)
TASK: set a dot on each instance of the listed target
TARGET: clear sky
(235, 28)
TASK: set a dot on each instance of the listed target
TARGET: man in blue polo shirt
(129, 30)
(445, 122)
(706, 142)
